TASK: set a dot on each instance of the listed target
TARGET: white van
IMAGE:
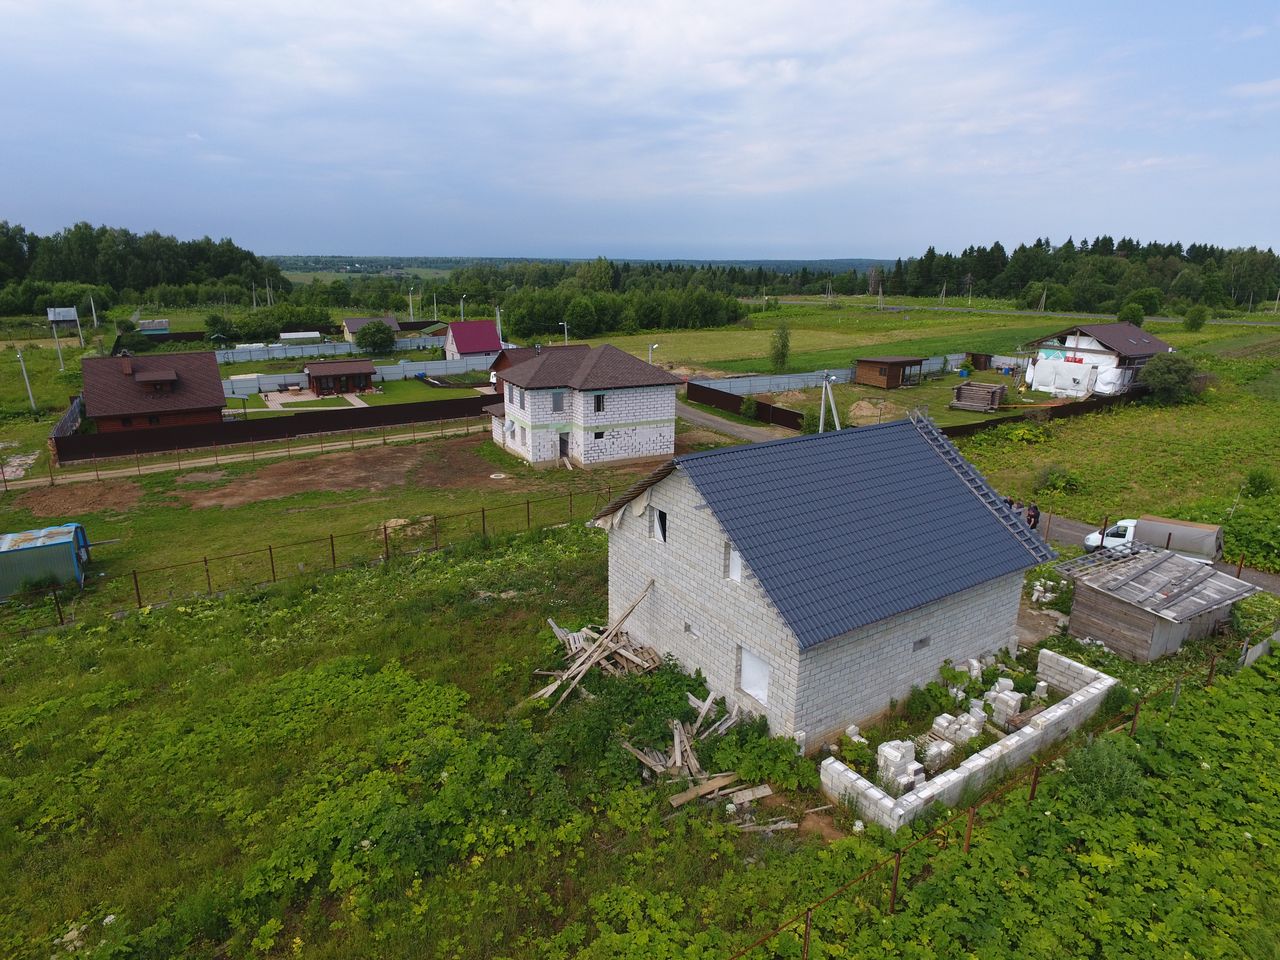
(1195, 541)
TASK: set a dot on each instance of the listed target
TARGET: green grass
(413, 391)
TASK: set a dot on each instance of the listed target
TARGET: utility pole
(566, 332)
(31, 399)
(411, 304)
(95, 311)
(435, 313)
(462, 308)
(80, 333)
(57, 343)
(944, 293)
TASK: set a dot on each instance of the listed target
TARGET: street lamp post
(462, 308)
(566, 332)
(31, 399)
(652, 347)
(411, 304)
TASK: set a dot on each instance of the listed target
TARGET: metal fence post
(435, 531)
(808, 927)
(968, 829)
(1133, 726)
(1213, 665)
(386, 544)
(208, 580)
(333, 554)
(1239, 566)
(484, 527)
(271, 555)
(49, 464)
(1035, 782)
(897, 869)
(528, 517)
(137, 590)
(570, 504)
(5, 480)
(57, 604)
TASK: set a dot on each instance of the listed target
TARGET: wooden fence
(732, 403)
(88, 446)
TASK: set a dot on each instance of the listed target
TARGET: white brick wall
(1086, 689)
(821, 691)
(636, 422)
(852, 678)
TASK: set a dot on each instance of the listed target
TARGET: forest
(1103, 275)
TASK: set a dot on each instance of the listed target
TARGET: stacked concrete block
(1005, 705)
(961, 729)
(973, 667)
(1063, 674)
(894, 758)
(1041, 691)
(938, 754)
(1053, 724)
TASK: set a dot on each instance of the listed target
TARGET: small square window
(884, 371)
(732, 563)
(557, 402)
(599, 434)
(599, 403)
(658, 524)
(921, 643)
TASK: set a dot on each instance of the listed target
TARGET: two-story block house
(587, 405)
(815, 579)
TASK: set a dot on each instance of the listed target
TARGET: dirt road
(723, 425)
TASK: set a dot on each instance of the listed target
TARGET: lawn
(413, 391)
(343, 768)
(874, 405)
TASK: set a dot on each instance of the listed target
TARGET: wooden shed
(980, 361)
(982, 397)
(1145, 603)
(339, 376)
(888, 372)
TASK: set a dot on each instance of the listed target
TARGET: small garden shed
(889, 372)
(1145, 603)
(33, 556)
(339, 376)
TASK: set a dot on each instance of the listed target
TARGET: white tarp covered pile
(1077, 369)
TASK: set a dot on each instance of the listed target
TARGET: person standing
(1033, 516)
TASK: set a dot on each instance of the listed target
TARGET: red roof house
(158, 390)
(472, 338)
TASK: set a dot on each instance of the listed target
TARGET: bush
(748, 408)
(810, 422)
(136, 342)
(375, 337)
(1131, 313)
(780, 348)
(1259, 482)
(1195, 318)
(1170, 377)
(1102, 773)
(1056, 479)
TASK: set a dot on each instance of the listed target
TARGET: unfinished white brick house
(589, 406)
(813, 580)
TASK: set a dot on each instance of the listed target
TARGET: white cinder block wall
(702, 618)
(636, 422)
(690, 587)
(852, 678)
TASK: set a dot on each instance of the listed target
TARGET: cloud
(1263, 89)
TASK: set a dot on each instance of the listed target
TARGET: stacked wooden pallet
(979, 397)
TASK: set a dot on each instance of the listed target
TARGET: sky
(574, 128)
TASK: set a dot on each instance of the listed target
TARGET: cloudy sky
(709, 129)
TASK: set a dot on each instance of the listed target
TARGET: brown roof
(125, 386)
(600, 368)
(902, 360)
(1124, 338)
(514, 355)
(338, 368)
(496, 409)
(355, 323)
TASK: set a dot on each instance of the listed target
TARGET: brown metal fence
(888, 880)
(732, 403)
(128, 443)
(50, 607)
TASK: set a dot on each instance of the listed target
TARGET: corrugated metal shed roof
(1158, 581)
(846, 529)
(26, 539)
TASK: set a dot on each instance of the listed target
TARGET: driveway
(731, 427)
(1068, 532)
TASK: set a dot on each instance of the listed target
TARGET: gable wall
(852, 678)
(690, 586)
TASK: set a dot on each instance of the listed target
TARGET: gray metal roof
(846, 529)
(1160, 581)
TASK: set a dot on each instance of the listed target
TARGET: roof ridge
(779, 441)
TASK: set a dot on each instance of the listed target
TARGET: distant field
(328, 276)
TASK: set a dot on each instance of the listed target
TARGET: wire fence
(882, 885)
(54, 606)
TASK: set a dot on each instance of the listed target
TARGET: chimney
(126, 365)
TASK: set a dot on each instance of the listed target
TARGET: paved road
(1068, 532)
(722, 425)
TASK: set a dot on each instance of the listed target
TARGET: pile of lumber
(681, 761)
(611, 649)
(979, 397)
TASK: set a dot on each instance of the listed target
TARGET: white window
(599, 403)
(658, 524)
(557, 402)
(753, 675)
(732, 562)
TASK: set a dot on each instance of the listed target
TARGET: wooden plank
(770, 827)
(702, 713)
(702, 789)
(751, 793)
(656, 768)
